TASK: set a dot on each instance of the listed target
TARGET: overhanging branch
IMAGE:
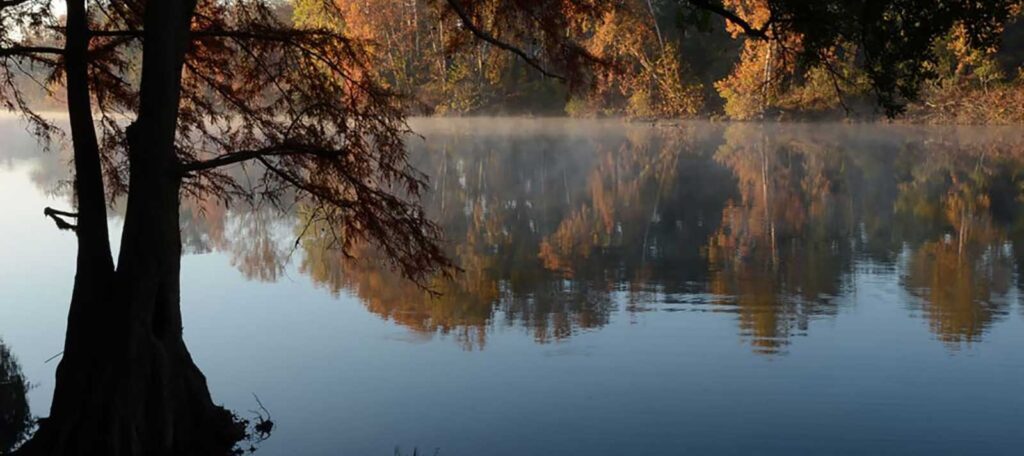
(10, 3)
(276, 35)
(27, 51)
(748, 29)
(467, 22)
(116, 33)
(246, 155)
(295, 182)
(230, 158)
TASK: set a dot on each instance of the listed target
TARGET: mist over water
(697, 287)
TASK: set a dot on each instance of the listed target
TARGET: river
(624, 289)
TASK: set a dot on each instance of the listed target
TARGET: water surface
(625, 289)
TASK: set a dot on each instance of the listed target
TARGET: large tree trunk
(127, 384)
(130, 387)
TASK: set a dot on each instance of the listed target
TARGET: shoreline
(655, 122)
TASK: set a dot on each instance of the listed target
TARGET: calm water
(703, 289)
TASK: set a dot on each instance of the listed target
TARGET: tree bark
(95, 265)
(127, 384)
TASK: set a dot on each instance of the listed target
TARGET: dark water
(626, 289)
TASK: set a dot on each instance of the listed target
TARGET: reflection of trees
(497, 209)
(461, 307)
(625, 187)
(203, 226)
(48, 170)
(258, 245)
(969, 197)
(15, 420)
(962, 294)
(552, 227)
(544, 228)
(810, 204)
(256, 238)
(646, 209)
(783, 249)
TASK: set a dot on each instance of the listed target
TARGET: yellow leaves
(314, 14)
(674, 96)
(767, 80)
(649, 76)
(748, 89)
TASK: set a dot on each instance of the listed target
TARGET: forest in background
(653, 59)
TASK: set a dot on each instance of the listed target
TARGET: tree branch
(10, 3)
(483, 35)
(116, 33)
(230, 158)
(749, 30)
(24, 51)
(267, 35)
(299, 185)
(61, 223)
(246, 155)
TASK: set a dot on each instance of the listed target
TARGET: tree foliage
(664, 58)
(299, 109)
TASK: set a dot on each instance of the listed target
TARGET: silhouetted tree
(218, 84)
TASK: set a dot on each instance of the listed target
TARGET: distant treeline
(659, 60)
(665, 61)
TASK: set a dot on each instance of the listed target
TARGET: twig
(260, 403)
(467, 21)
(53, 357)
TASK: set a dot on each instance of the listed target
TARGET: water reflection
(964, 271)
(554, 230)
(15, 420)
(782, 253)
(557, 226)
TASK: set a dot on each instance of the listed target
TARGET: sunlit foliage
(789, 64)
(646, 76)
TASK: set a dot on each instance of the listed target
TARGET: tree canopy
(298, 103)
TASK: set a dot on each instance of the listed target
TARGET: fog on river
(694, 287)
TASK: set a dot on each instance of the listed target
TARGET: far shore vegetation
(661, 62)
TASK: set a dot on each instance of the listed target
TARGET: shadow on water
(16, 421)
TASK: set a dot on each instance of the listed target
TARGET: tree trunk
(127, 384)
(135, 390)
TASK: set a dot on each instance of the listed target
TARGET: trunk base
(158, 404)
